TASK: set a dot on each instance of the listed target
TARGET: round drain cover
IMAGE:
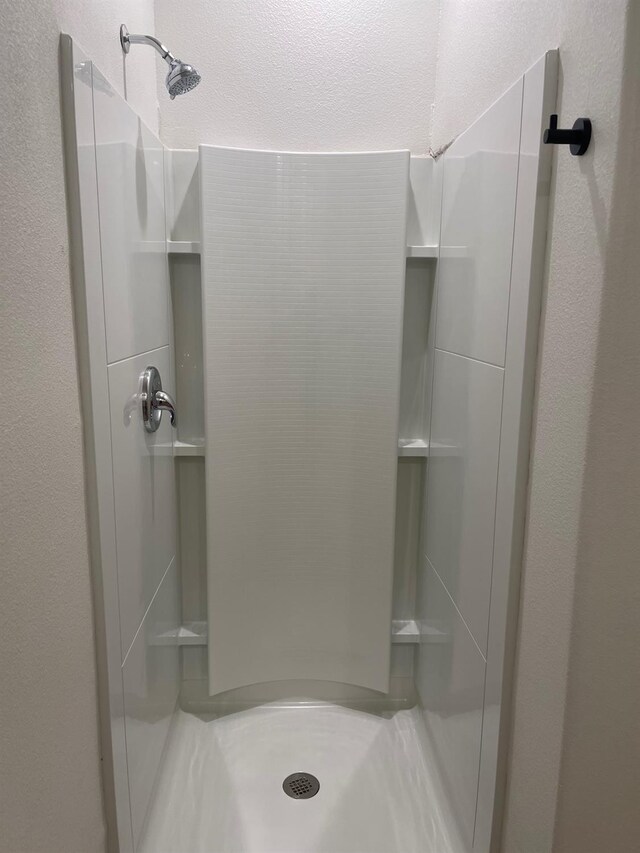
(301, 786)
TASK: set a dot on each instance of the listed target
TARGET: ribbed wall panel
(302, 282)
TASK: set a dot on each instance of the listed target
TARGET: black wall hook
(578, 138)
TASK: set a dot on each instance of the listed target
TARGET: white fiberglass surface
(221, 785)
(303, 262)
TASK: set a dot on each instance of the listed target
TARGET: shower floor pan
(221, 789)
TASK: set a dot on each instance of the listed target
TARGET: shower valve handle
(155, 401)
(165, 402)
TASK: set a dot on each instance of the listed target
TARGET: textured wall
(579, 381)
(51, 796)
(95, 25)
(600, 771)
(333, 75)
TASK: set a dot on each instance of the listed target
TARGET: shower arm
(127, 39)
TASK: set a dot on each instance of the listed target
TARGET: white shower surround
(442, 632)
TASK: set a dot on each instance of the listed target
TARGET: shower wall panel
(130, 168)
(495, 189)
(115, 176)
(303, 260)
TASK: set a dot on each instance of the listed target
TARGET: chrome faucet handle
(166, 403)
(155, 401)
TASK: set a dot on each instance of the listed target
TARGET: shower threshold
(221, 787)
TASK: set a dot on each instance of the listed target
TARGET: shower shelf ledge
(416, 449)
(183, 247)
(189, 448)
(422, 251)
(403, 631)
(192, 247)
(190, 634)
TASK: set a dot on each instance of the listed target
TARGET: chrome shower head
(181, 77)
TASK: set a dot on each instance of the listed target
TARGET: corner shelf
(416, 448)
(413, 449)
(189, 448)
(183, 247)
(192, 247)
(422, 251)
(403, 632)
(189, 634)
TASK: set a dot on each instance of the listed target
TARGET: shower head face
(182, 78)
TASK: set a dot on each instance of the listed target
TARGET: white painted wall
(50, 782)
(600, 770)
(335, 75)
(581, 554)
(95, 25)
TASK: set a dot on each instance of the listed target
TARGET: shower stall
(307, 382)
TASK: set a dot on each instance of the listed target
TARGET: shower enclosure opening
(306, 383)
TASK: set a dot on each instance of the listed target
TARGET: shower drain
(301, 786)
